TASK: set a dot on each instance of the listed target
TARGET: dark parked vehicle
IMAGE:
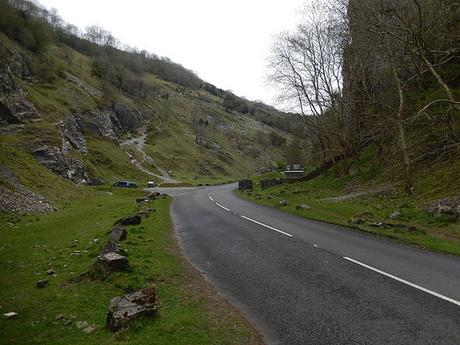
(125, 184)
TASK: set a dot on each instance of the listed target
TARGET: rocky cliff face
(14, 106)
(109, 123)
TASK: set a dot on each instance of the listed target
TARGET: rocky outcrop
(14, 106)
(67, 166)
(101, 123)
(72, 137)
(128, 119)
(124, 309)
(111, 122)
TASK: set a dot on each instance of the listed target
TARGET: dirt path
(139, 142)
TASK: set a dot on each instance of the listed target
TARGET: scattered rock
(118, 233)
(89, 329)
(51, 272)
(42, 284)
(357, 221)
(448, 206)
(124, 309)
(364, 214)
(394, 215)
(376, 224)
(67, 322)
(10, 315)
(134, 219)
(111, 262)
(303, 207)
(60, 317)
(81, 324)
(283, 203)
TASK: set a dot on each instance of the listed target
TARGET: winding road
(307, 282)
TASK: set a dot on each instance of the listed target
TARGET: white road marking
(221, 206)
(210, 197)
(448, 299)
(267, 226)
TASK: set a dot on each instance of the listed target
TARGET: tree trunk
(439, 80)
(402, 135)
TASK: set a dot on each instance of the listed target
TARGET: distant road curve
(307, 282)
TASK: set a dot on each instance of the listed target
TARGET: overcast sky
(225, 42)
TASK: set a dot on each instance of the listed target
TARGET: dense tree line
(369, 72)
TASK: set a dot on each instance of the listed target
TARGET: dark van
(125, 184)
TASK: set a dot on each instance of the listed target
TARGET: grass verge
(402, 217)
(190, 311)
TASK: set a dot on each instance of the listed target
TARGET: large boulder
(134, 219)
(118, 233)
(111, 246)
(124, 309)
(111, 262)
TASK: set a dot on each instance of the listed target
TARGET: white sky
(226, 43)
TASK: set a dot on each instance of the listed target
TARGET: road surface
(307, 282)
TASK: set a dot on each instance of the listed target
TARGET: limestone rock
(124, 309)
(134, 219)
(449, 206)
(67, 166)
(10, 315)
(283, 203)
(303, 207)
(81, 324)
(394, 215)
(111, 262)
(72, 138)
(118, 233)
(42, 284)
(111, 246)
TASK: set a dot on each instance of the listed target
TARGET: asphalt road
(307, 282)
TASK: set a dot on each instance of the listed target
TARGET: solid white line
(448, 299)
(267, 226)
(221, 206)
(210, 197)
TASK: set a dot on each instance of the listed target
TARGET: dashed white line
(210, 197)
(221, 206)
(267, 226)
(448, 299)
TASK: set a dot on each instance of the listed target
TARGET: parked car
(125, 184)
(151, 184)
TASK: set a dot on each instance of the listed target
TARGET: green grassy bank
(190, 311)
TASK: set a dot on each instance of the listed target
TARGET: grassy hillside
(188, 130)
